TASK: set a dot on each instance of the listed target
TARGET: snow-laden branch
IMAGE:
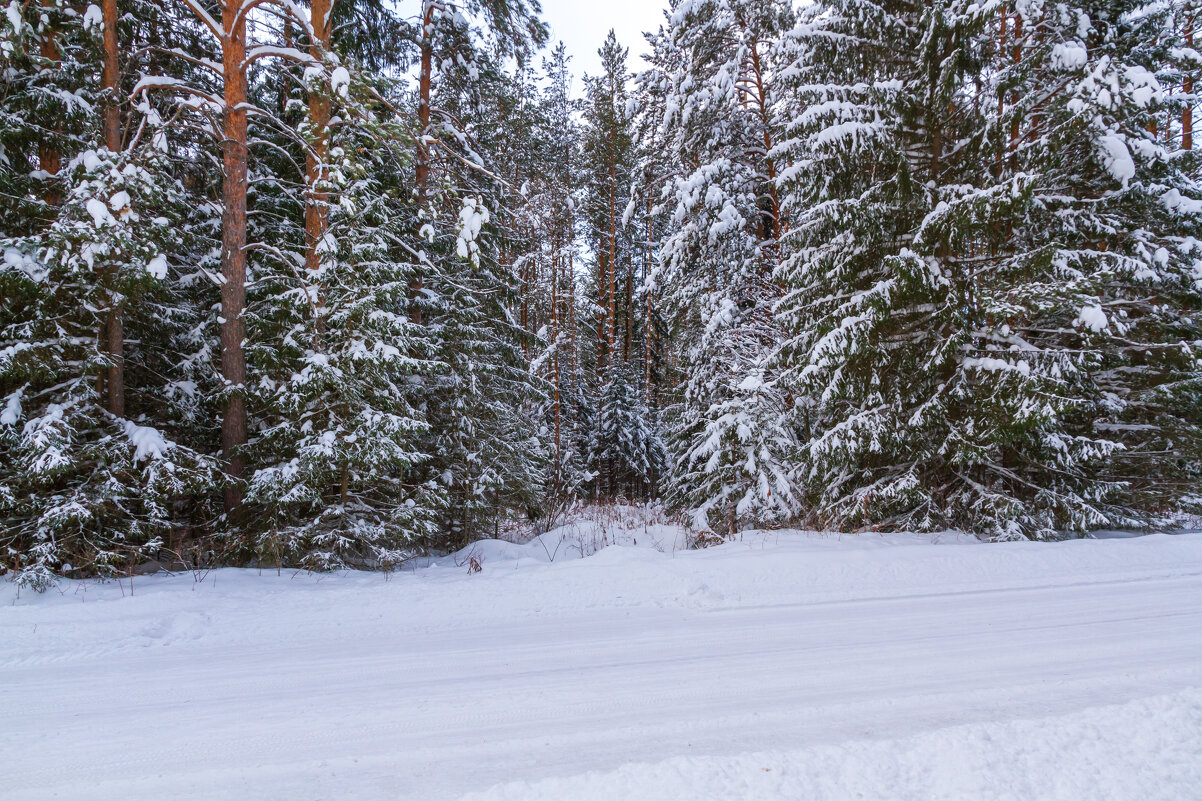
(174, 84)
(291, 9)
(288, 53)
(205, 18)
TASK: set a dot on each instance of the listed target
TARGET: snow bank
(1145, 749)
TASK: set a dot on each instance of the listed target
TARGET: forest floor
(783, 666)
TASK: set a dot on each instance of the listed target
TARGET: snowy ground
(786, 666)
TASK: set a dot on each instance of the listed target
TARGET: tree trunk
(111, 81)
(613, 237)
(769, 164)
(604, 321)
(233, 248)
(50, 159)
(425, 77)
(647, 289)
(629, 303)
(1187, 85)
(555, 343)
(524, 308)
(317, 200)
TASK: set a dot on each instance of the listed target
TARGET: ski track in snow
(785, 666)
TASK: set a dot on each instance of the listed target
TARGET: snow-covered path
(435, 684)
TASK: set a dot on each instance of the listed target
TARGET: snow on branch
(271, 51)
(174, 84)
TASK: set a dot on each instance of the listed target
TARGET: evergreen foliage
(847, 264)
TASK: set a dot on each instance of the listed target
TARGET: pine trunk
(1187, 85)
(647, 289)
(50, 158)
(613, 236)
(233, 247)
(555, 343)
(628, 302)
(603, 324)
(111, 80)
(425, 77)
(769, 164)
(317, 200)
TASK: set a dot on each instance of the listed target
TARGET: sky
(583, 25)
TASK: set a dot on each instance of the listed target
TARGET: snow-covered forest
(332, 284)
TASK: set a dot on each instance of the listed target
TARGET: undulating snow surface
(785, 666)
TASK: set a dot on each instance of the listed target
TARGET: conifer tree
(88, 485)
(730, 453)
(975, 257)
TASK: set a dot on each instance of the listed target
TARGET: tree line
(332, 284)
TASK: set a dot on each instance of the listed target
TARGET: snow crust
(603, 661)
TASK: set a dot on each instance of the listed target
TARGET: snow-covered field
(785, 666)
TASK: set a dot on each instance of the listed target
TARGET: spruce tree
(730, 451)
(974, 260)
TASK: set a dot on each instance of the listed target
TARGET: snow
(1069, 56)
(91, 161)
(1117, 158)
(99, 212)
(12, 408)
(149, 443)
(1094, 318)
(13, 12)
(472, 217)
(781, 666)
(1067, 757)
(340, 81)
(93, 17)
(157, 267)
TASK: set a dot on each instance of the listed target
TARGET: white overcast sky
(583, 24)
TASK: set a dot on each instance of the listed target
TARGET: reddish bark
(1187, 85)
(425, 77)
(317, 201)
(50, 158)
(111, 79)
(613, 238)
(233, 247)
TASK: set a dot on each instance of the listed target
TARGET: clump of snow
(1093, 318)
(1069, 56)
(1117, 158)
(13, 12)
(12, 409)
(340, 81)
(23, 263)
(157, 267)
(472, 217)
(93, 18)
(149, 443)
(99, 212)
(993, 365)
